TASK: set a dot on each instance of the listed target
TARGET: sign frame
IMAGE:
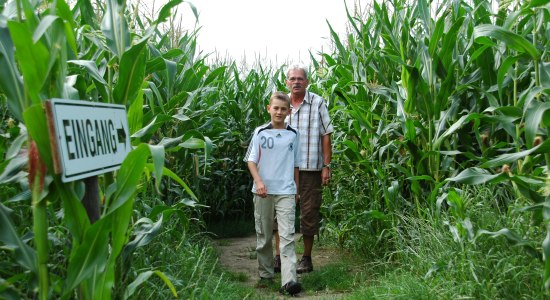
(87, 138)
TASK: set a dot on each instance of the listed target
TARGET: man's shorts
(311, 192)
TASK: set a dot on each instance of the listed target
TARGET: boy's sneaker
(277, 264)
(305, 265)
(292, 288)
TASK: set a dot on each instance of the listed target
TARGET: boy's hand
(261, 190)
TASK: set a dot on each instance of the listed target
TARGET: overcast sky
(276, 30)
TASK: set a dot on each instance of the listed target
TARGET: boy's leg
(263, 217)
(285, 206)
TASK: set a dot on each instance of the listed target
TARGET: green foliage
(42, 44)
(425, 99)
(336, 277)
(396, 286)
(24, 255)
(188, 262)
(440, 151)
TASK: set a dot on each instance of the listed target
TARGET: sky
(274, 30)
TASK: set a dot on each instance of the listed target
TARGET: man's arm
(297, 181)
(327, 157)
(261, 190)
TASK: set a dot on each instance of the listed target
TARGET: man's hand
(325, 176)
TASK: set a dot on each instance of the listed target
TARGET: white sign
(89, 138)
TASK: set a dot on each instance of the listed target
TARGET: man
(309, 115)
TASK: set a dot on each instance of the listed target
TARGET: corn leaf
(511, 39)
(535, 115)
(144, 232)
(92, 254)
(157, 152)
(131, 74)
(32, 59)
(545, 75)
(115, 28)
(143, 277)
(175, 177)
(10, 84)
(37, 126)
(512, 157)
(128, 176)
(91, 69)
(510, 235)
(476, 176)
(24, 254)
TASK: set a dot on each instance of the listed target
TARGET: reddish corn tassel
(36, 166)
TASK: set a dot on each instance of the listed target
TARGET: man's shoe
(277, 264)
(292, 288)
(305, 265)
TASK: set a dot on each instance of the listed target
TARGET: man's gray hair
(297, 67)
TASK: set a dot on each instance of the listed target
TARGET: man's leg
(308, 244)
(277, 242)
(310, 205)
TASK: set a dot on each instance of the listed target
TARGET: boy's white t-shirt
(276, 154)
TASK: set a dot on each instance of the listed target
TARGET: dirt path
(238, 255)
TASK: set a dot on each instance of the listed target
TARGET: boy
(273, 160)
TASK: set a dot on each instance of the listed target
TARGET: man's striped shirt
(312, 120)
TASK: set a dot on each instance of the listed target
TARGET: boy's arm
(297, 181)
(261, 190)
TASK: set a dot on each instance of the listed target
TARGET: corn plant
(47, 54)
(522, 83)
(431, 95)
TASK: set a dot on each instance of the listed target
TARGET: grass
(338, 277)
(443, 257)
(395, 286)
(430, 257)
(237, 276)
(191, 264)
(433, 257)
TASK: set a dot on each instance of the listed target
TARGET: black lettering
(91, 140)
(105, 136)
(75, 139)
(68, 139)
(98, 138)
(82, 136)
(113, 135)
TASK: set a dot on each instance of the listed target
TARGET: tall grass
(426, 258)
(191, 264)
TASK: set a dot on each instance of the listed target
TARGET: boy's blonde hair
(279, 96)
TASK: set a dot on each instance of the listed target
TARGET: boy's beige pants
(283, 206)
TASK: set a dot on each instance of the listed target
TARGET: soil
(238, 255)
